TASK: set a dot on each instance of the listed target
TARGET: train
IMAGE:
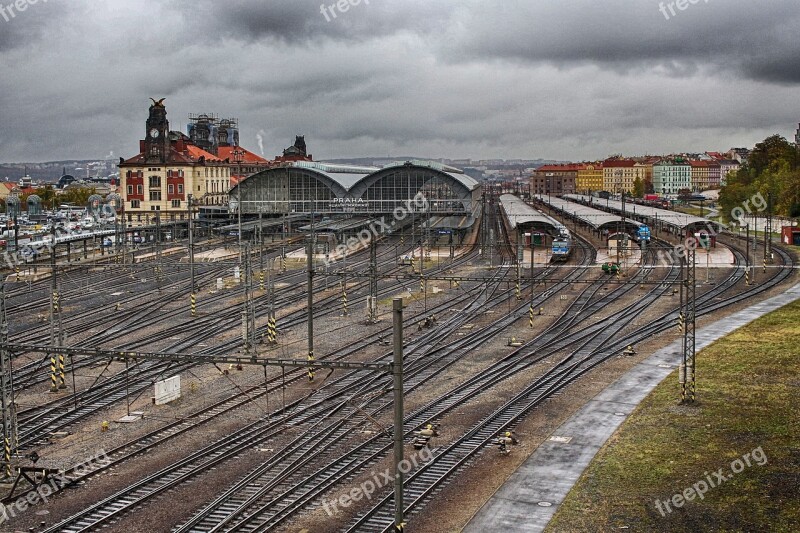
(562, 246)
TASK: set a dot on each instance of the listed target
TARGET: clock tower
(156, 139)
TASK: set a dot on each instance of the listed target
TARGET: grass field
(745, 422)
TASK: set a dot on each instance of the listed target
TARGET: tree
(78, 196)
(638, 188)
(771, 171)
(48, 195)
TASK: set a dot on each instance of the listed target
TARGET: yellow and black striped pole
(272, 332)
(310, 371)
(7, 457)
(680, 322)
(747, 277)
(62, 384)
(194, 304)
(765, 265)
(283, 262)
(53, 374)
(530, 315)
(518, 291)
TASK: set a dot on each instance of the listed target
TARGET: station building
(170, 165)
(323, 188)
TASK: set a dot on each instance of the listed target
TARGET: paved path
(530, 497)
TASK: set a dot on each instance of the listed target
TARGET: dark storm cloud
(19, 29)
(756, 40)
(443, 78)
(302, 21)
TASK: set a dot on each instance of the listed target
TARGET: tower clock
(157, 133)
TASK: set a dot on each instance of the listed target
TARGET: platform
(531, 495)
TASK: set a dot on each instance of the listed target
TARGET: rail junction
(306, 375)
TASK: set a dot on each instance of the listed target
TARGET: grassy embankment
(748, 399)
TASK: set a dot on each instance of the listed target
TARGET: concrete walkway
(530, 497)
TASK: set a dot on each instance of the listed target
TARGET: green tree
(638, 188)
(78, 196)
(772, 171)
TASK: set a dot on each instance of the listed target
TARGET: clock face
(154, 133)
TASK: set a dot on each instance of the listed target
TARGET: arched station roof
(305, 186)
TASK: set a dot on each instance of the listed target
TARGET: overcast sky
(571, 80)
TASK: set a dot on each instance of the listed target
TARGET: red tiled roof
(196, 152)
(570, 167)
(225, 152)
(618, 163)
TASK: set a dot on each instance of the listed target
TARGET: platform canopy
(597, 219)
(524, 216)
(665, 217)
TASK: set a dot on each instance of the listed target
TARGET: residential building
(705, 175)
(739, 154)
(555, 179)
(670, 176)
(620, 174)
(726, 166)
(589, 177)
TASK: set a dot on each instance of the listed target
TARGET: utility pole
(687, 370)
(237, 157)
(768, 233)
(7, 392)
(373, 281)
(397, 371)
(310, 265)
(157, 269)
(190, 224)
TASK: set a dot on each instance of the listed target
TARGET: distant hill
(52, 170)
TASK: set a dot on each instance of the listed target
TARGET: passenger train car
(562, 246)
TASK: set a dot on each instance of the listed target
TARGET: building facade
(705, 175)
(167, 169)
(554, 179)
(589, 178)
(670, 176)
(619, 175)
(726, 166)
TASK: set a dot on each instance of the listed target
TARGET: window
(176, 203)
(134, 205)
(180, 188)
(130, 190)
(139, 189)
(155, 196)
(155, 181)
(170, 188)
